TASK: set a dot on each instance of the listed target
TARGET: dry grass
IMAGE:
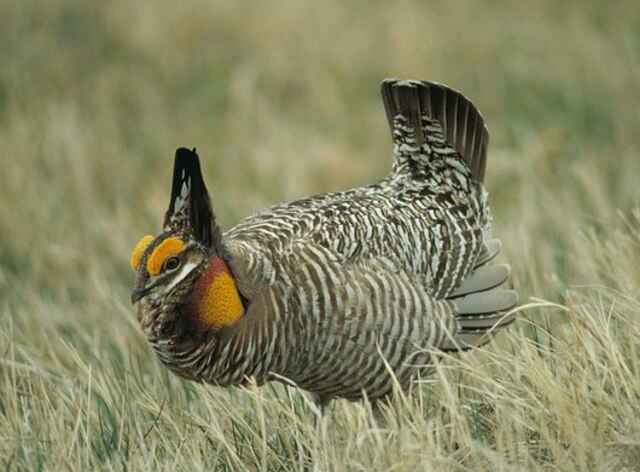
(282, 101)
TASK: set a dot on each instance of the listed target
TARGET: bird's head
(181, 266)
(166, 266)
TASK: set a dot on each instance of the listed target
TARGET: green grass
(282, 101)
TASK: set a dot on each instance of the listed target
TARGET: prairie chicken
(335, 292)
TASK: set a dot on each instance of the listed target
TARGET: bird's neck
(216, 299)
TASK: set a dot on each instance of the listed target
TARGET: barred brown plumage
(332, 292)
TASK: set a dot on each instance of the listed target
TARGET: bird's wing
(322, 319)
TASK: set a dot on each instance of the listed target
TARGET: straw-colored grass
(281, 101)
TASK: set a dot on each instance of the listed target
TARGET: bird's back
(429, 215)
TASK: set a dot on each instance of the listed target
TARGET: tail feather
(422, 112)
(468, 339)
(480, 280)
(482, 324)
(482, 307)
(488, 252)
(479, 303)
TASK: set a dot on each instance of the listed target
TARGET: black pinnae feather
(190, 206)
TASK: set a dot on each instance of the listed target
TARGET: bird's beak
(138, 294)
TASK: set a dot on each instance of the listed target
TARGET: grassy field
(282, 101)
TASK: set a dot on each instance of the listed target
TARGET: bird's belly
(361, 372)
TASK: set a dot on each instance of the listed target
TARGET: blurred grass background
(282, 101)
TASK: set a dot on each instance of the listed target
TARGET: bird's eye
(172, 263)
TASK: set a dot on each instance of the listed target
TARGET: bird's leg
(377, 413)
(319, 421)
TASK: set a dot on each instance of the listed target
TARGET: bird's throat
(217, 300)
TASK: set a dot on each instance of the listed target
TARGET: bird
(345, 294)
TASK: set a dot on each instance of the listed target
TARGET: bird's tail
(429, 120)
(482, 302)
